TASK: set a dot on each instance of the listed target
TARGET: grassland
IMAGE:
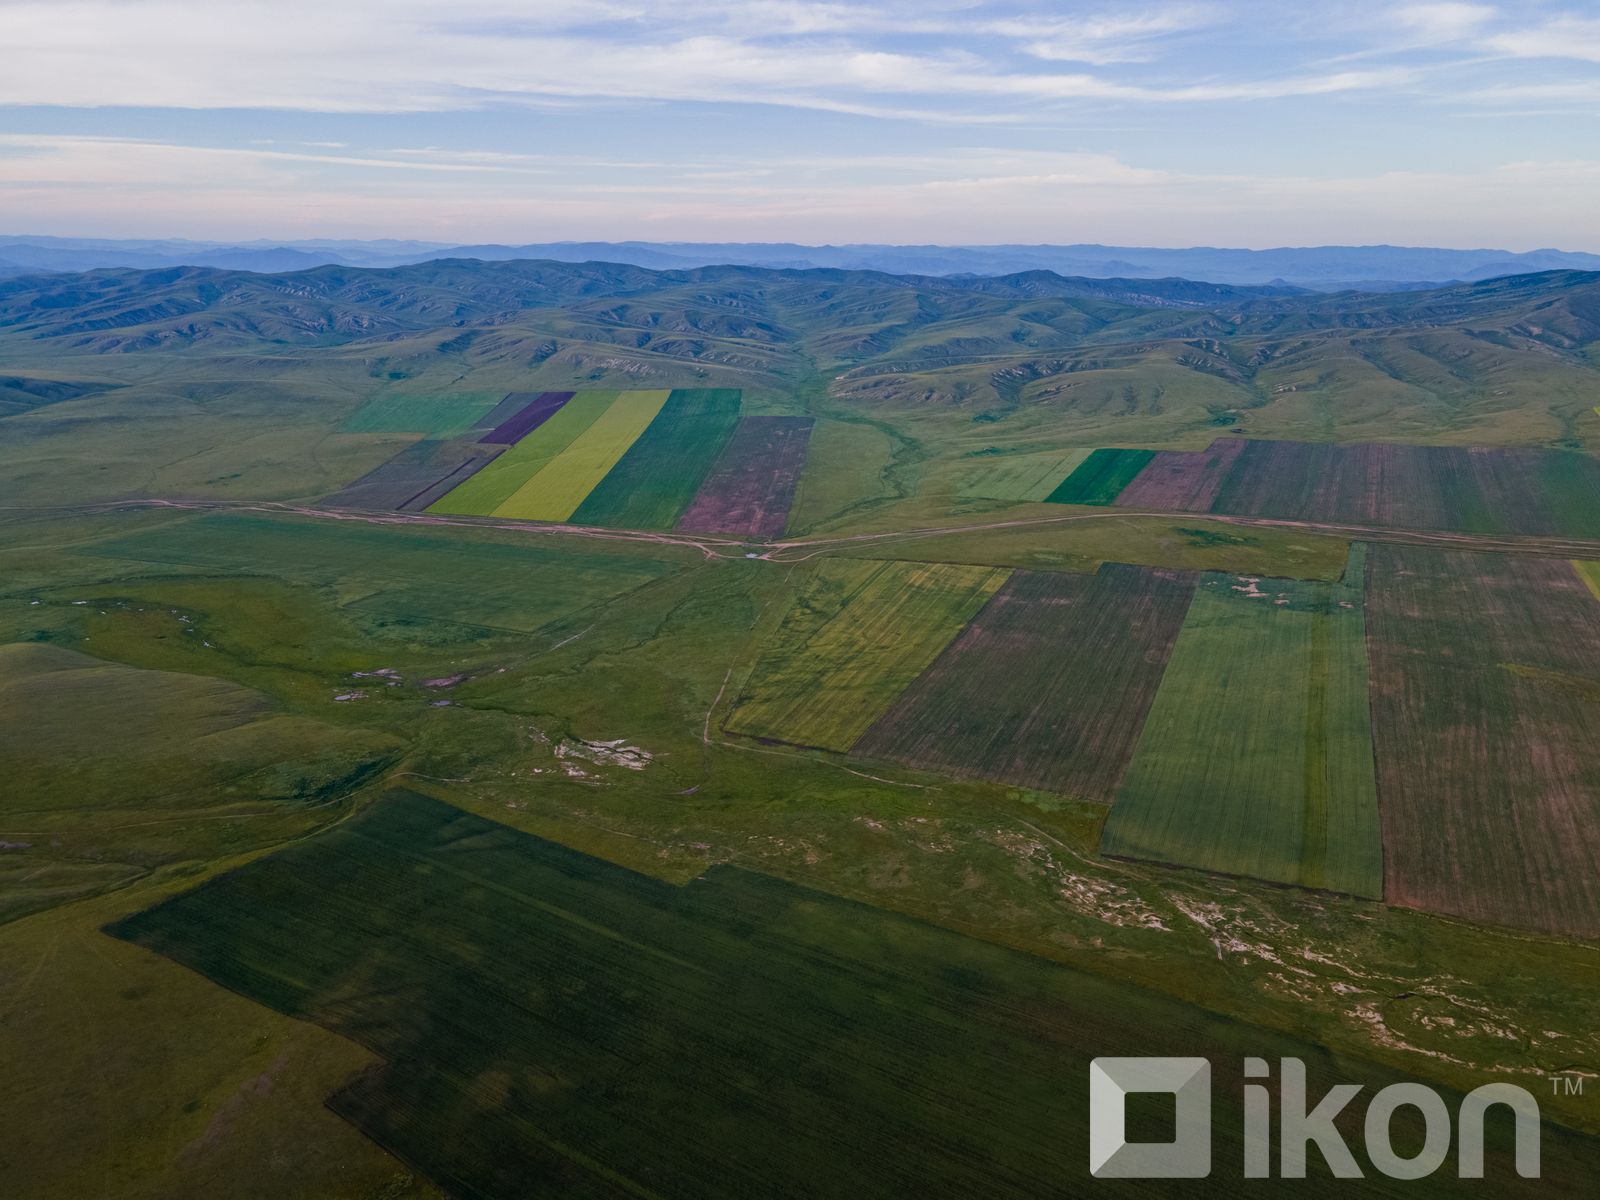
(1039, 539)
(134, 1077)
(498, 482)
(1256, 758)
(428, 414)
(1008, 864)
(403, 579)
(652, 484)
(560, 486)
(551, 1023)
(858, 636)
(1028, 477)
(1486, 685)
(114, 774)
(1100, 477)
(1048, 687)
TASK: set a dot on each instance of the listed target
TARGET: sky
(933, 121)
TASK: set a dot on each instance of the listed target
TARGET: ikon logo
(1188, 1155)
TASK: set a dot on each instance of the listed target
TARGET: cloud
(1562, 37)
(969, 194)
(1448, 22)
(883, 60)
(1117, 37)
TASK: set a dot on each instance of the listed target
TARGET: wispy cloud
(360, 56)
(1564, 37)
(824, 119)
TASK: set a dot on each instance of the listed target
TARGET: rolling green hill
(997, 664)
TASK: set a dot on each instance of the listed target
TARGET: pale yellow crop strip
(1589, 572)
(556, 490)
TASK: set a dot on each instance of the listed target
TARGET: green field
(654, 481)
(496, 483)
(428, 414)
(560, 486)
(1256, 758)
(551, 1024)
(1100, 477)
(402, 578)
(1028, 477)
(113, 773)
(857, 637)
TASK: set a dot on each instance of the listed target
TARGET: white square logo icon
(1112, 1156)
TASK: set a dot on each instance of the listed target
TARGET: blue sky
(1244, 124)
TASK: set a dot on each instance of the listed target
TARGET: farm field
(1467, 489)
(1486, 717)
(560, 486)
(531, 410)
(748, 493)
(653, 483)
(786, 841)
(860, 633)
(1589, 572)
(549, 1023)
(1100, 477)
(399, 577)
(498, 481)
(1183, 479)
(1047, 687)
(1256, 758)
(413, 479)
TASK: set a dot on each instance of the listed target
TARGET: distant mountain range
(1320, 268)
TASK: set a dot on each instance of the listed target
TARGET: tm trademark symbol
(1566, 1085)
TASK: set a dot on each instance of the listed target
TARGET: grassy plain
(432, 579)
(1027, 477)
(857, 637)
(1256, 758)
(1007, 864)
(161, 1085)
(114, 773)
(427, 414)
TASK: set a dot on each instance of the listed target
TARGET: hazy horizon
(942, 122)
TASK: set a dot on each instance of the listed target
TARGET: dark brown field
(751, 487)
(1457, 488)
(1181, 480)
(416, 477)
(537, 408)
(1048, 687)
(1485, 677)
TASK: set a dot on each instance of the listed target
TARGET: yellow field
(556, 490)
